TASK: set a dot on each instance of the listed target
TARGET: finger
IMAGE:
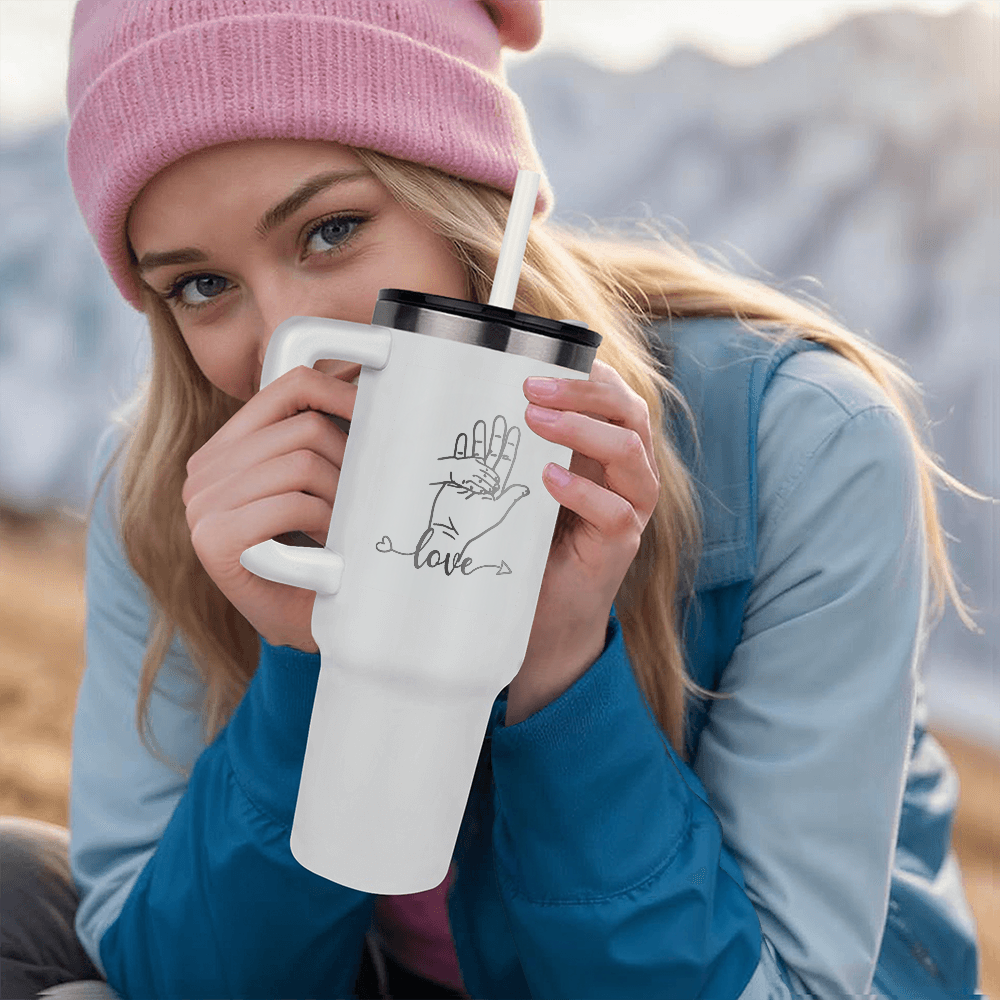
(497, 440)
(619, 451)
(301, 471)
(461, 443)
(296, 390)
(505, 463)
(479, 439)
(311, 430)
(606, 396)
(606, 513)
(223, 534)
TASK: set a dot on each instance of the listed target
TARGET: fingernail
(557, 474)
(543, 386)
(543, 414)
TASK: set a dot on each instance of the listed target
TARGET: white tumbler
(429, 580)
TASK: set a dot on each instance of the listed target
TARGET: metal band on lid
(558, 342)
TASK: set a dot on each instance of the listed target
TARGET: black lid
(577, 333)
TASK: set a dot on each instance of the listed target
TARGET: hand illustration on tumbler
(468, 471)
(473, 499)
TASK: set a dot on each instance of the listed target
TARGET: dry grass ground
(41, 662)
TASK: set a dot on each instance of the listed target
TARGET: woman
(750, 519)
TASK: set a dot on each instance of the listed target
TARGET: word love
(450, 562)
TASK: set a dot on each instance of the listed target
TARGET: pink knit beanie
(153, 80)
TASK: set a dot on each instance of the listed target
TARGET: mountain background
(860, 168)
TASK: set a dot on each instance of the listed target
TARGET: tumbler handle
(304, 340)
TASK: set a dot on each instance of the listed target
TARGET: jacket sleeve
(187, 884)
(806, 764)
(625, 872)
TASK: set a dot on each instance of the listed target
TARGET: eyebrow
(272, 217)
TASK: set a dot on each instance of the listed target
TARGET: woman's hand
(614, 488)
(272, 468)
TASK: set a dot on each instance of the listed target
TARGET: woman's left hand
(614, 486)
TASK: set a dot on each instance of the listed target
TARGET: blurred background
(848, 151)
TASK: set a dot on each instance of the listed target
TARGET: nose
(275, 298)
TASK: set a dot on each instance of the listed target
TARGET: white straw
(515, 237)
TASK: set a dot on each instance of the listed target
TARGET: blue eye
(334, 232)
(197, 290)
(207, 286)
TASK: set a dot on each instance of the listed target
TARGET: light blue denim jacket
(592, 861)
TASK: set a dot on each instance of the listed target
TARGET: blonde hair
(616, 286)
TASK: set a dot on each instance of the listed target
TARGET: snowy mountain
(860, 167)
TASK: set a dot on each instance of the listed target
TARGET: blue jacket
(805, 851)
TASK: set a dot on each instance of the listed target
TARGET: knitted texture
(422, 80)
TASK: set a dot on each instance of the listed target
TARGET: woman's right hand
(272, 468)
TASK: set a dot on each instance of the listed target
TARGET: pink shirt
(415, 931)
